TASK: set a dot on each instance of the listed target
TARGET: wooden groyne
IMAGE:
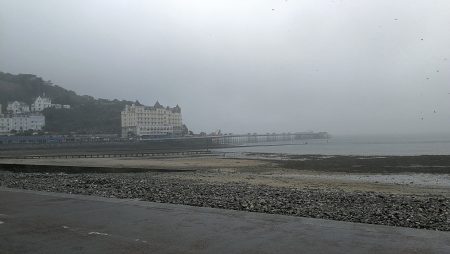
(108, 155)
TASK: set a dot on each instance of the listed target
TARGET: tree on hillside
(87, 114)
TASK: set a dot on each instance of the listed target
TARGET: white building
(18, 107)
(19, 123)
(41, 103)
(4, 125)
(60, 106)
(151, 121)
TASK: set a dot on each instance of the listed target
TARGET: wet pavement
(39, 222)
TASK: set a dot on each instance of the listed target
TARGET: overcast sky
(359, 66)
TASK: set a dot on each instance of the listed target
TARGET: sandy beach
(402, 191)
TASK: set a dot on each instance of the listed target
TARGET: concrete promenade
(38, 222)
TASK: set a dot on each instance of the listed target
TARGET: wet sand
(398, 191)
(351, 173)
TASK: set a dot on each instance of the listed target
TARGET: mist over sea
(401, 145)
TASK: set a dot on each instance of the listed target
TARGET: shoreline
(402, 191)
(414, 211)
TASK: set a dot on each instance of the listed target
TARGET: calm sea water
(361, 145)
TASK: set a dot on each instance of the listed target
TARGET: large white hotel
(151, 121)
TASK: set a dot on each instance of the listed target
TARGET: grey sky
(360, 66)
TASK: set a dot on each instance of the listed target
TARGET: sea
(360, 145)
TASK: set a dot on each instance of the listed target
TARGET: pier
(261, 138)
(227, 139)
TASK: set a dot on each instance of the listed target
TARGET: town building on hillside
(156, 121)
(41, 103)
(19, 118)
(4, 125)
(60, 106)
(21, 122)
(18, 107)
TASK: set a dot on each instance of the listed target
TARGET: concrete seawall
(37, 222)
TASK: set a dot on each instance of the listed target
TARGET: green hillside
(87, 115)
